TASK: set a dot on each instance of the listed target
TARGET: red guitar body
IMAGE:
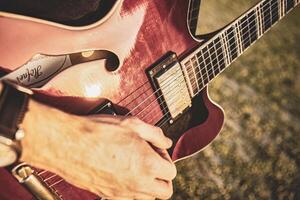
(139, 33)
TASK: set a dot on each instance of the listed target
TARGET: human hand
(114, 157)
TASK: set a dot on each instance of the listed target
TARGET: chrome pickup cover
(168, 78)
(174, 90)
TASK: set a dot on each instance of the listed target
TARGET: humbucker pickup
(170, 86)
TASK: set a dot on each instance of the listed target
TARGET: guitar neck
(211, 58)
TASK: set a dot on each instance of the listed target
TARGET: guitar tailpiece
(25, 175)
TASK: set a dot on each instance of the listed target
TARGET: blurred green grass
(257, 155)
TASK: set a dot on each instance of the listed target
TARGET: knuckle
(167, 193)
(173, 171)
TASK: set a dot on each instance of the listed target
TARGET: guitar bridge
(170, 86)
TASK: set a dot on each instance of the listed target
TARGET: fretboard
(211, 58)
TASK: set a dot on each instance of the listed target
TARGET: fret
(246, 34)
(190, 73)
(198, 73)
(220, 53)
(212, 58)
(217, 68)
(283, 7)
(203, 68)
(207, 61)
(231, 37)
(274, 11)
(186, 66)
(238, 35)
(195, 64)
(252, 27)
(266, 15)
(225, 48)
(259, 21)
(280, 8)
(289, 5)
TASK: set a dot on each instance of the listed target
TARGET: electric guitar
(142, 58)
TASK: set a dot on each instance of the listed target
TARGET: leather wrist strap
(13, 106)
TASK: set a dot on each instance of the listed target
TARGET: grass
(257, 155)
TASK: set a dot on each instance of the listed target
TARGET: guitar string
(163, 122)
(274, 3)
(271, 18)
(192, 83)
(176, 70)
(212, 70)
(167, 119)
(223, 69)
(63, 179)
(143, 92)
(249, 37)
(208, 42)
(131, 111)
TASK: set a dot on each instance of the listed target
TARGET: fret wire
(210, 61)
(281, 8)
(237, 25)
(191, 73)
(259, 22)
(201, 75)
(215, 49)
(250, 28)
(205, 67)
(195, 72)
(233, 31)
(263, 20)
(284, 6)
(271, 13)
(225, 48)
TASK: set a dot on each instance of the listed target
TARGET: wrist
(13, 105)
(47, 135)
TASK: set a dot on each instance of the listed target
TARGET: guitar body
(139, 33)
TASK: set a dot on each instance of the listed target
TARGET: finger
(162, 168)
(160, 189)
(150, 133)
(163, 153)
